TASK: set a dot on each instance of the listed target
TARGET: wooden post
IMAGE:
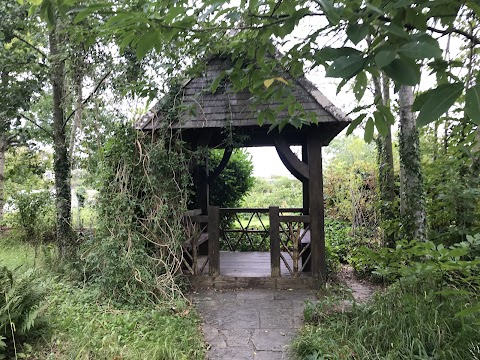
(274, 217)
(305, 194)
(317, 232)
(201, 184)
(213, 240)
(306, 209)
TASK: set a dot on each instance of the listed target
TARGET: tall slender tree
(412, 197)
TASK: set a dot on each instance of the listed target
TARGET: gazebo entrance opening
(266, 241)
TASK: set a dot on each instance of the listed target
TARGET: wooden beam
(296, 167)
(227, 153)
(274, 218)
(317, 231)
(213, 240)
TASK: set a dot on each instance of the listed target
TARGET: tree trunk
(412, 198)
(4, 125)
(77, 119)
(386, 175)
(61, 161)
(3, 149)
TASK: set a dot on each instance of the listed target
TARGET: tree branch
(37, 125)
(30, 45)
(447, 31)
(87, 99)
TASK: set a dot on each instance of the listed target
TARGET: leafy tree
(234, 182)
(21, 73)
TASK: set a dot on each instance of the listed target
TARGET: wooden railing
(288, 232)
(289, 236)
(244, 229)
(195, 230)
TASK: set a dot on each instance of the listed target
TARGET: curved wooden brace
(297, 167)
(227, 153)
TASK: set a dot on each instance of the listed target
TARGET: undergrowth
(135, 255)
(84, 328)
(430, 311)
(406, 322)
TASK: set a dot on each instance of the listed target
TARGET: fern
(20, 297)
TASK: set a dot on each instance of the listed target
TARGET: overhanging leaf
(438, 101)
(472, 103)
(394, 30)
(346, 66)
(369, 130)
(329, 54)
(357, 32)
(353, 125)
(380, 123)
(387, 114)
(146, 43)
(216, 81)
(330, 11)
(385, 57)
(360, 86)
(418, 49)
(403, 72)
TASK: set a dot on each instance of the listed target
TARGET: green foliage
(350, 183)
(82, 327)
(21, 294)
(234, 182)
(459, 263)
(451, 183)
(135, 254)
(25, 168)
(34, 215)
(395, 37)
(339, 240)
(407, 321)
(277, 191)
(70, 322)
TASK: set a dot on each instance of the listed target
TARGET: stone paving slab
(250, 324)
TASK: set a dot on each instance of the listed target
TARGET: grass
(409, 322)
(82, 328)
(14, 254)
(79, 326)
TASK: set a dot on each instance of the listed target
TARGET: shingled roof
(225, 107)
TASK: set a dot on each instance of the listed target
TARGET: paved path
(250, 324)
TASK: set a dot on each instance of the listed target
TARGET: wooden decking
(247, 264)
(251, 270)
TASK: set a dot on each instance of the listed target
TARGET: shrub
(229, 188)
(135, 254)
(21, 295)
(34, 215)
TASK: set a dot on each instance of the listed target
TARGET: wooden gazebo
(296, 236)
